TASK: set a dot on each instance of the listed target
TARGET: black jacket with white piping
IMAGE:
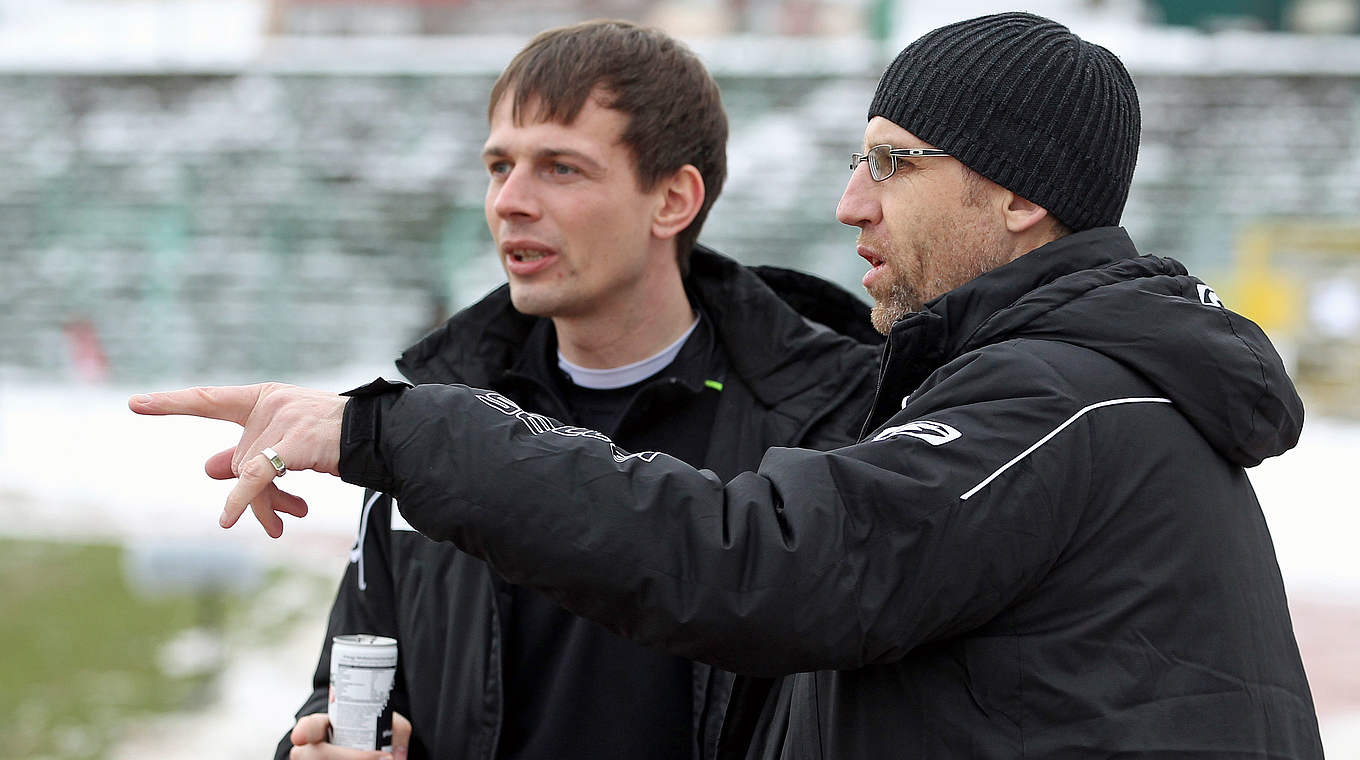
(1045, 544)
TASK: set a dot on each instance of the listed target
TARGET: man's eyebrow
(544, 154)
(553, 153)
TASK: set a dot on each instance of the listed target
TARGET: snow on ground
(1313, 510)
(75, 464)
(1314, 517)
(255, 697)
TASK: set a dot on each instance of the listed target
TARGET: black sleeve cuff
(360, 461)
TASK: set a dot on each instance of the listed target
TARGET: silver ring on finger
(280, 469)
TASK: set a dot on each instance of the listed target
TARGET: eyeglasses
(883, 159)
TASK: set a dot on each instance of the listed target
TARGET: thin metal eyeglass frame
(893, 154)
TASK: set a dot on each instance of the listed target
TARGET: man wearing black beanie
(1045, 543)
(1012, 98)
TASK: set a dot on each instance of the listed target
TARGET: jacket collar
(483, 342)
(950, 325)
(957, 316)
(538, 359)
(760, 313)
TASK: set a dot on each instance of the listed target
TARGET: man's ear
(1021, 213)
(682, 194)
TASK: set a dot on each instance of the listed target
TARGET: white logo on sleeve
(933, 433)
(539, 425)
(1207, 296)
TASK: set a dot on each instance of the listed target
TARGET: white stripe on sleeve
(1059, 429)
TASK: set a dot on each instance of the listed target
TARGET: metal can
(363, 667)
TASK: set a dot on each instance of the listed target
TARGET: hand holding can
(363, 667)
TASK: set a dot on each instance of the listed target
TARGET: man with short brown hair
(605, 152)
(674, 113)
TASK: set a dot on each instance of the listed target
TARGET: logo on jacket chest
(933, 433)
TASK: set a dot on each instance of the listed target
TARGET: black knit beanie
(1026, 103)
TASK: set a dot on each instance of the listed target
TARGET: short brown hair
(675, 112)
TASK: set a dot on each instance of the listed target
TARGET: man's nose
(859, 205)
(516, 196)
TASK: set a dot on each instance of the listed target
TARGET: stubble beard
(900, 300)
(904, 297)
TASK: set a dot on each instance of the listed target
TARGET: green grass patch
(78, 650)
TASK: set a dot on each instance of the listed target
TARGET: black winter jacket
(799, 354)
(1045, 545)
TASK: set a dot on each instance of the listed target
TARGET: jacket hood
(779, 318)
(1092, 289)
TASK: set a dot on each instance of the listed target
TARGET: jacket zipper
(878, 388)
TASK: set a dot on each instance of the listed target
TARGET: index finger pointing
(232, 403)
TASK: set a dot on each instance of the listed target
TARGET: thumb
(218, 465)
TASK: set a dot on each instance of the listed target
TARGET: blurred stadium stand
(321, 203)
